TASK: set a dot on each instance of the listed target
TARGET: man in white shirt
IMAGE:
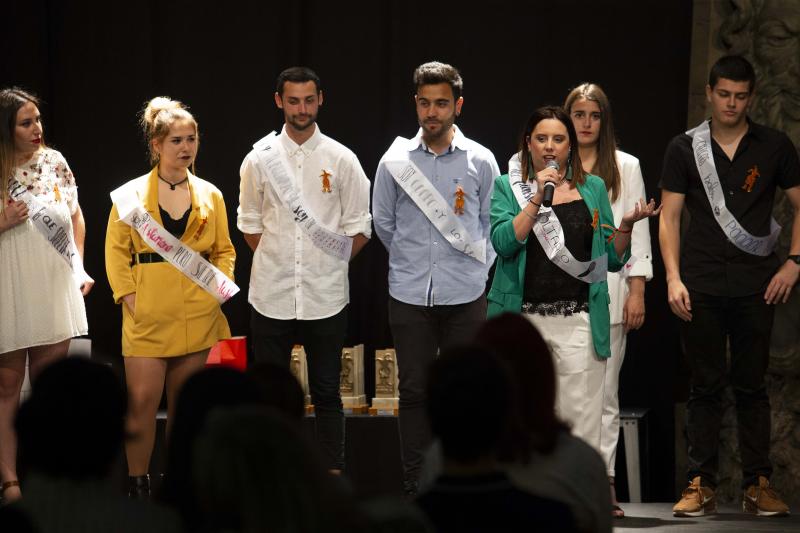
(304, 211)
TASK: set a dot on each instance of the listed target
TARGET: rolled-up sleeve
(251, 194)
(640, 238)
(355, 199)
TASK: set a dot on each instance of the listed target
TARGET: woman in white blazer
(589, 108)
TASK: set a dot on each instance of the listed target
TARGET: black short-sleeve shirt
(710, 263)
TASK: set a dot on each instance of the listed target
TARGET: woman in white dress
(589, 108)
(41, 302)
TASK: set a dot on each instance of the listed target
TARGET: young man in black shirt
(729, 277)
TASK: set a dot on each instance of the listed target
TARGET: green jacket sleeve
(504, 209)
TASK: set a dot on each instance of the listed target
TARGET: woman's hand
(14, 214)
(88, 283)
(640, 210)
(130, 301)
(547, 174)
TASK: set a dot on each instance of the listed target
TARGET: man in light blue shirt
(431, 210)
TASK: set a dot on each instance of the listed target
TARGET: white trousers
(579, 373)
(609, 434)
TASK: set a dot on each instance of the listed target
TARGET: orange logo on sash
(458, 206)
(57, 193)
(326, 182)
(750, 180)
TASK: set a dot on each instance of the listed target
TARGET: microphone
(549, 187)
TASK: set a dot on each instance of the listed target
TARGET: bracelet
(534, 203)
(623, 231)
(529, 215)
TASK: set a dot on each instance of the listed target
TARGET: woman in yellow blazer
(168, 321)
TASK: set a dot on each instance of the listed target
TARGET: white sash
(704, 159)
(433, 205)
(176, 253)
(339, 246)
(52, 226)
(550, 234)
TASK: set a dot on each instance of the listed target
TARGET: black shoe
(139, 487)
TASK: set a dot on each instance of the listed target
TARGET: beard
(437, 128)
(299, 125)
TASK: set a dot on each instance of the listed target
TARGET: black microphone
(549, 186)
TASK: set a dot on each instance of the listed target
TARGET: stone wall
(767, 32)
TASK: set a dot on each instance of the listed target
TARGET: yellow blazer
(174, 316)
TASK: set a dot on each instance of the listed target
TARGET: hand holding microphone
(549, 185)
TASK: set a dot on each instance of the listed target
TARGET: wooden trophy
(387, 397)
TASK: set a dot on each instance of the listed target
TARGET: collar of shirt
(755, 132)
(293, 149)
(459, 141)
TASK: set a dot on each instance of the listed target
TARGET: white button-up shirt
(291, 278)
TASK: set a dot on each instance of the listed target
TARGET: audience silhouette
(71, 432)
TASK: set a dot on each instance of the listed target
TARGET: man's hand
(781, 284)
(252, 240)
(678, 298)
(633, 311)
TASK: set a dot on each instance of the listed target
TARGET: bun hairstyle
(157, 118)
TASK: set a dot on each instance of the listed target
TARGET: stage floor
(652, 517)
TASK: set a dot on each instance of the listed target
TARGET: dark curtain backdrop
(95, 64)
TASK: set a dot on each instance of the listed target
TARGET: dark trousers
(323, 341)
(419, 333)
(747, 322)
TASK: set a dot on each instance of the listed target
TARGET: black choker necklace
(172, 185)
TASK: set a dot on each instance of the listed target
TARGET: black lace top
(176, 227)
(548, 289)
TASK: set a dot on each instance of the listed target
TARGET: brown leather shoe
(696, 500)
(761, 500)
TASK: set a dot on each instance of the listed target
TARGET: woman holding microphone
(553, 260)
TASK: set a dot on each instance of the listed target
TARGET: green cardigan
(509, 275)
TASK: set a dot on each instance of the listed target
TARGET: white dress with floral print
(40, 302)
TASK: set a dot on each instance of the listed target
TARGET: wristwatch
(795, 258)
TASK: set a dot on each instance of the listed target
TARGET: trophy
(351, 381)
(387, 398)
(299, 368)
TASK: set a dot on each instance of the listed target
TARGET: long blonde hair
(11, 100)
(158, 116)
(606, 164)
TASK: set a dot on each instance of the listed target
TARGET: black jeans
(419, 333)
(323, 341)
(747, 322)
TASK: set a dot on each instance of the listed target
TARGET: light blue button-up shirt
(424, 269)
